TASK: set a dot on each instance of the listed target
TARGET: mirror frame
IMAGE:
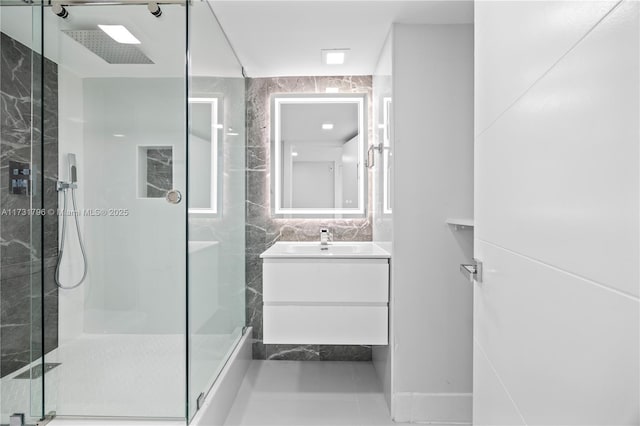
(277, 100)
(214, 209)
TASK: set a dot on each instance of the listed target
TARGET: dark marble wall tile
(345, 353)
(293, 352)
(159, 171)
(29, 134)
(262, 230)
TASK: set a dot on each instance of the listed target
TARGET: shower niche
(155, 171)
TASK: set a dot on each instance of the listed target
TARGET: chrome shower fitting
(154, 8)
(64, 188)
(60, 10)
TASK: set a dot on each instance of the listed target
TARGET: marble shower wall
(21, 250)
(262, 230)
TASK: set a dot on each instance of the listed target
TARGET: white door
(557, 220)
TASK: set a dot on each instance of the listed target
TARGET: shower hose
(62, 240)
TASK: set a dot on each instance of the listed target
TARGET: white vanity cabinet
(335, 295)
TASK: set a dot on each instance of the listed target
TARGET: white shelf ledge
(460, 223)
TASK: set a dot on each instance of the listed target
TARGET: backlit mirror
(318, 150)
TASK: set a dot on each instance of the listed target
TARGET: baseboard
(221, 397)
(432, 408)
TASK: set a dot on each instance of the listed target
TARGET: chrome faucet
(325, 237)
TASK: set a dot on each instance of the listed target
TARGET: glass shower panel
(216, 177)
(22, 297)
(120, 156)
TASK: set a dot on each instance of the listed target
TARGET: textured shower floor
(119, 375)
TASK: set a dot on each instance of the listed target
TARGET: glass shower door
(102, 154)
(22, 297)
(120, 151)
(216, 174)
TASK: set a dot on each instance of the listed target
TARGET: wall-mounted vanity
(335, 294)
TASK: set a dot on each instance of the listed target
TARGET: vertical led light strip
(214, 155)
(387, 152)
(363, 147)
(278, 166)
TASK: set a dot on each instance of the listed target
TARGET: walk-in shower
(118, 297)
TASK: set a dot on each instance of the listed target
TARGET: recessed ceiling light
(332, 90)
(119, 33)
(327, 126)
(294, 154)
(334, 56)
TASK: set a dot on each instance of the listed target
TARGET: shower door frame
(40, 7)
(187, 402)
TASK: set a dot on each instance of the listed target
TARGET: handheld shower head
(73, 173)
(69, 188)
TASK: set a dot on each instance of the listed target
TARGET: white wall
(432, 302)
(70, 137)
(557, 210)
(137, 264)
(135, 270)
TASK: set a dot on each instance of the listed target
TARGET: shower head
(73, 172)
(107, 48)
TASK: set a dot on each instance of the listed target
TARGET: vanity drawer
(325, 325)
(326, 280)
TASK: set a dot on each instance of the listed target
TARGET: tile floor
(118, 375)
(305, 393)
(296, 393)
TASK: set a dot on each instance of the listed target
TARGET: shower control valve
(63, 186)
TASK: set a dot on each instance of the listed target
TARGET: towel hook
(371, 162)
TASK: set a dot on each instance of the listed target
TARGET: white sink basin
(347, 250)
(317, 248)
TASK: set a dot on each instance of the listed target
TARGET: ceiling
(284, 38)
(303, 122)
(162, 39)
(271, 38)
